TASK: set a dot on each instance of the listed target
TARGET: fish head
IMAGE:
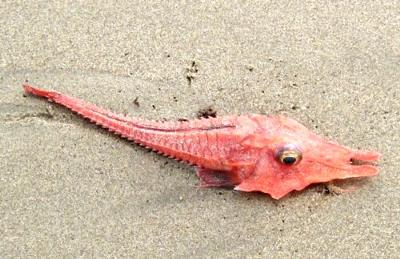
(295, 157)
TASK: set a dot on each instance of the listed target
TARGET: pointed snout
(363, 163)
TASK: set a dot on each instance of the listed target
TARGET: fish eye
(289, 155)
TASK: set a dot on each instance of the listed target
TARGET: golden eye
(289, 155)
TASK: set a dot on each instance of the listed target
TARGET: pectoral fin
(214, 178)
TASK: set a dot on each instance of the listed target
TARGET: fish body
(252, 153)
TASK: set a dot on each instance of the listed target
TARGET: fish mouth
(364, 163)
(364, 158)
(356, 162)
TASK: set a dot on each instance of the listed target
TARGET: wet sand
(69, 188)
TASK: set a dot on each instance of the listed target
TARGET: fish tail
(118, 124)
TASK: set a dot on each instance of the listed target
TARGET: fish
(271, 154)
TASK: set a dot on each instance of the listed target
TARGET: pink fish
(252, 153)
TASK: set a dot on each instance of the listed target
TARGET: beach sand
(70, 189)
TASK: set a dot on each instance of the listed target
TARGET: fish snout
(364, 163)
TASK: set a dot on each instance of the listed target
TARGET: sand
(70, 189)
